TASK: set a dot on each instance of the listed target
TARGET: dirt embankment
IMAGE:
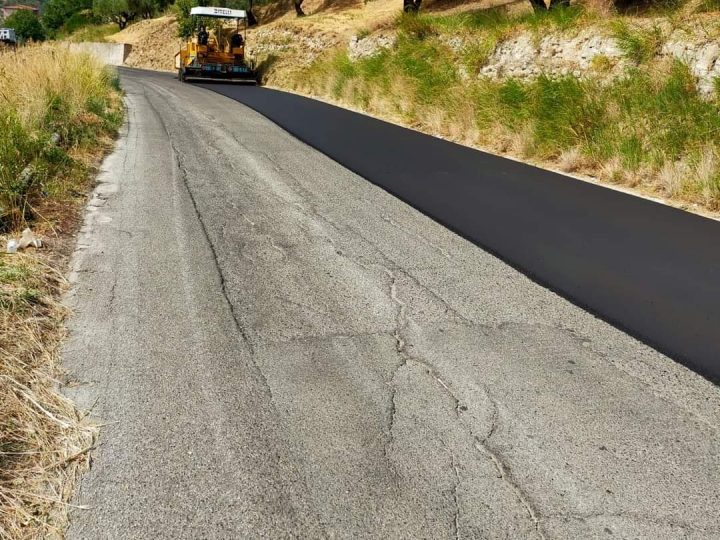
(154, 43)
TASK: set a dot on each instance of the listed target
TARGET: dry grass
(43, 439)
(45, 84)
(47, 94)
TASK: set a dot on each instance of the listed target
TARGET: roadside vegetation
(58, 114)
(647, 127)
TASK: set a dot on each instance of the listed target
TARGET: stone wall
(590, 54)
(112, 54)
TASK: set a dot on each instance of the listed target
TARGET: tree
(121, 12)
(186, 24)
(145, 8)
(26, 24)
(56, 12)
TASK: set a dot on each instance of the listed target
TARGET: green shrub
(27, 25)
(637, 44)
(498, 20)
(416, 26)
(475, 55)
(17, 150)
(565, 112)
(425, 63)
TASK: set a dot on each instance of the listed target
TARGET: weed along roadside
(59, 113)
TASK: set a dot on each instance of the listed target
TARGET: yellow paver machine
(217, 53)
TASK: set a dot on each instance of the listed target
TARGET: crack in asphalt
(320, 338)
(223, 284)
(400, 321)
(388, 262)
(456, 521)
(111, 300)
(480, 444)
(395, 224)
(400, 342)
(504, 474)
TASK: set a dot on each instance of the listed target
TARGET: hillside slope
(630, 101)
(154, 43)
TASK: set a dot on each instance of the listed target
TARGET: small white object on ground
(29, 239)
(12, 246)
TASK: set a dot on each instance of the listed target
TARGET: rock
(369, 45)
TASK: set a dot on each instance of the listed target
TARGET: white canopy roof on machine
(223, 13)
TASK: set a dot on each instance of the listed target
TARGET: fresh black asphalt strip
(649, 269)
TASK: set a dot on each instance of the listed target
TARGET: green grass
(638, 45)
(84, 26)
(499, 20)
(644, 119)
(94, 32)
(20, 286)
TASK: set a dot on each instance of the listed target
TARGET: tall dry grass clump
(53, 106)
(43, 439)
(57, 113)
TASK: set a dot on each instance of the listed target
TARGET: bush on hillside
(57, 12)
(27, 25)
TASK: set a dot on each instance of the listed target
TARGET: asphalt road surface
(646, 267)
(279, 348)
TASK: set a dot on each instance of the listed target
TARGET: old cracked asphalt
(278, 348)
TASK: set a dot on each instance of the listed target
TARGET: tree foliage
(56, 12)
(118, 11)
(122, 12)
(26, 24)
(187, 24)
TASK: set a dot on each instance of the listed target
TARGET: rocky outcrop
(363, 47)
(525, 56)
(591, 53)
(703, 58)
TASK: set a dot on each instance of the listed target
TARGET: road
(278, 348)
(647, 268)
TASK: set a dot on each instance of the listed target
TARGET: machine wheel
(181, 75)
